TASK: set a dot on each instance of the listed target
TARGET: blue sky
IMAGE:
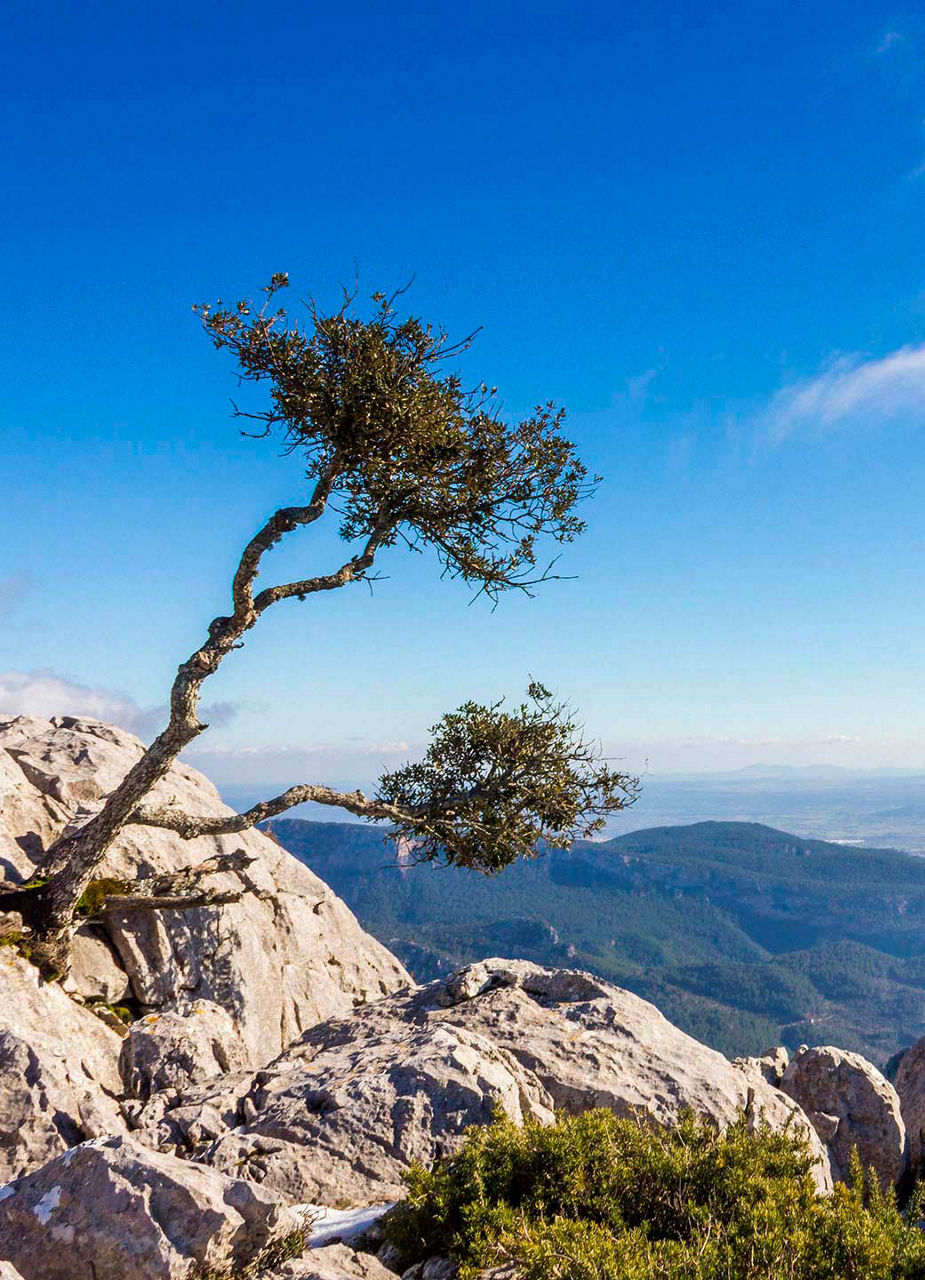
(699, 227)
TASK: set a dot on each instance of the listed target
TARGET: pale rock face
(334, 1262)
(338, 1123)
(59, 1070)
(179, 1048)
(592, 1044)
(96, 974)
(9, 1272)
(910, 1086)
(109, 1210)
(850, 1104)
(344, 1110)
(771, 1066)
(287, 955)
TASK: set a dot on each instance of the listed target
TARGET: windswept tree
(400, 453)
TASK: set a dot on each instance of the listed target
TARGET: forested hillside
(744, 936)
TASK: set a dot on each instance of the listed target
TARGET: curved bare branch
(189, 827)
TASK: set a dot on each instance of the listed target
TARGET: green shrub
(596, 1197)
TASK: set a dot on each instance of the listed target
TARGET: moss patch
(97, 891)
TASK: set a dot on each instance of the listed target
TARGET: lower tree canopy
(497, 785)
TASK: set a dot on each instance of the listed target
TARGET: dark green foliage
(414, 451)
(494, 785)
(595, 1197)
(738, 937)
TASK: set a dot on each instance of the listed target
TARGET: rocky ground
(280, 1071)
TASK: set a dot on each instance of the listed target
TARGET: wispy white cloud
(853, 392)
(45, 693)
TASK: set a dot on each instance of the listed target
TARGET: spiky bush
(595, 1197)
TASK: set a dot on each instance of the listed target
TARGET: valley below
(745, 936)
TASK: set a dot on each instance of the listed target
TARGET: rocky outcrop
(59, 1070)
(110, 1209)
(850, 1105)
(338, 1121)
(179, 1048)
(9, 1272)
(589, 1043)
(909, 1083)
(287, 955)
(347, 1107)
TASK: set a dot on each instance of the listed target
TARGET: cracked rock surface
(345, 1109)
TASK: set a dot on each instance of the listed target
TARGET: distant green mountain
(744, 936)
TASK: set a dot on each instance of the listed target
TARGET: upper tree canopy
(409, 450)
(396, 444)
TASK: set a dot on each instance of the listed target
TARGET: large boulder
(591, 1044)
(341, 1113)
(59, 1070)
(96, 975)
(338, 1123)
(850, 1105)
(909, 1083)
(110, 1210)
(287, 955)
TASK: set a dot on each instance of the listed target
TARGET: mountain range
(745, 936)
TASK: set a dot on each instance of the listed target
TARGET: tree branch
(178, 890)
(280, 523)
(207, 898)
(189, 827)
(72, 861)
(353, 570)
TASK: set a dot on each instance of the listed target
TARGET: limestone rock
(59, 1070)
(850, 1104)
(345, 1109)
(9, 1272)
(909, 1082)
(287, 955)
(771, 1066)
(592, 1044)
(333, 1262)
(96, 974)
(339, 1122)
(109, 1209)
(181, 1047)
(431, 1269)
